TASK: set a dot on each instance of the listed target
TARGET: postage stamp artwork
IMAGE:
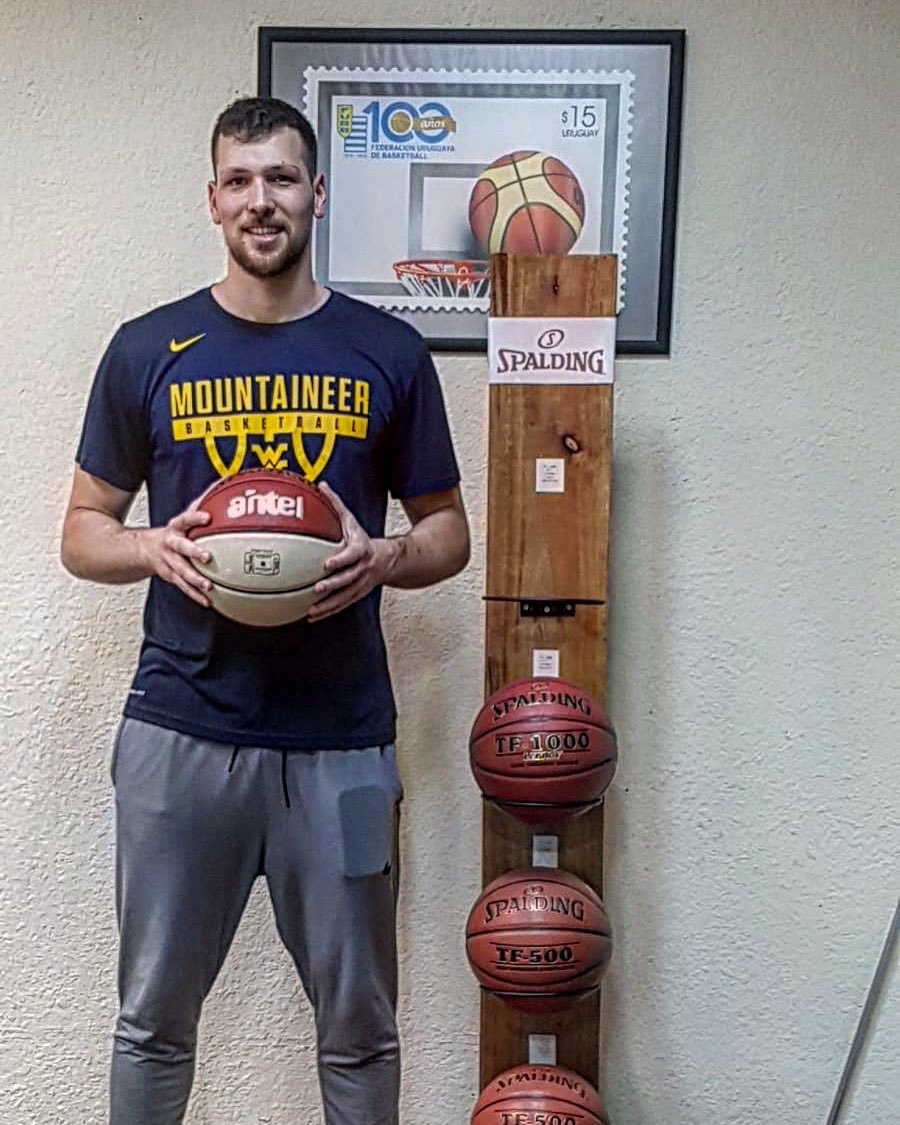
(403, 150)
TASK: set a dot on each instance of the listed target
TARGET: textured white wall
(753, 831)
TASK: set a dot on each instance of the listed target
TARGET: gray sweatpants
(196, 823)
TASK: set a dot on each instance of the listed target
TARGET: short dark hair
(248, 119)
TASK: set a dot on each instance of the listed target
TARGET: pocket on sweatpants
(368, 821)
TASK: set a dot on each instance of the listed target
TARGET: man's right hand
(168, 552)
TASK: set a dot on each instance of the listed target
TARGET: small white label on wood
(545, 662)
(545, 851)
(549, 474)
(538, 350)
(542, 1050)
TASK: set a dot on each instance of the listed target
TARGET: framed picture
(441, 147)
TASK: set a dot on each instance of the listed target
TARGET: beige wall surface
(753, 831)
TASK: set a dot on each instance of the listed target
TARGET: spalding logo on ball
(527, 203)
(268, 537)
(552, 1095)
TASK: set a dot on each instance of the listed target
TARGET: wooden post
(547, 547)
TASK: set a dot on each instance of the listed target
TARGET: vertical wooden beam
(547, 546)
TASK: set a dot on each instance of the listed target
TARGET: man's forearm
(433, 549)
(98, 547)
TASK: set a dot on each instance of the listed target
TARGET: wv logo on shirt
(266, 415)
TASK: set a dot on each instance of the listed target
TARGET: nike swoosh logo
(176, 346)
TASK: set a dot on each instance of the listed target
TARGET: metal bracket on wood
(547, 607)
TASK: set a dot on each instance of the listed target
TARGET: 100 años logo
(396, 129)
(401, 122)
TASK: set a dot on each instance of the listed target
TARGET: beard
(270, 263)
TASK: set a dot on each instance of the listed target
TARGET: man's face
(265, 200)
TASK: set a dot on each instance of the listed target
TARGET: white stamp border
(313, 75)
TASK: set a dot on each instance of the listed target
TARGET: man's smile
(263, 233)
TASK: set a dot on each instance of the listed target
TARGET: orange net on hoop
(439, 277)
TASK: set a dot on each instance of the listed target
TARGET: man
(242, 751)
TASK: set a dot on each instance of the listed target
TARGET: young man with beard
(246, 752)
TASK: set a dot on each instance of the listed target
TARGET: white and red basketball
(527, 203)
(268, 537)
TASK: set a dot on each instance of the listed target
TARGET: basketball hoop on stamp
(443, 277)
(523, 202)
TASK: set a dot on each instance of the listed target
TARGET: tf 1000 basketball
(268, 537)
(539, 939)
(543, 749)
(549, 1095)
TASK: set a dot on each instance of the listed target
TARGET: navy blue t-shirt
(189, 393)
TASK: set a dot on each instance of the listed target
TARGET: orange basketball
(544, 749)
(552, 1095)
(527, 203)
(539, 939)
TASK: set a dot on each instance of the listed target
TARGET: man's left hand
(358, 567)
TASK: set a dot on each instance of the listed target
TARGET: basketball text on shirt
(270, 405)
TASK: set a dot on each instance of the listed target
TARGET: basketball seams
(571, 985)
(516, 717)
(538, 932)
(487, 195)
(545, 876)
(537, 241)
(538, 1096)
(510, 803)
(559, 776)
(537, 198)
(282, 535)
(588, 1117)
(534, 990)
(578, 984)
(245, 591)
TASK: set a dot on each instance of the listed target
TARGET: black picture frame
(655, 123)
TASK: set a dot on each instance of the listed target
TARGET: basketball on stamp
(530, 1093)
(539, 939)
(543, 749)
(268, 537)
(527, 203)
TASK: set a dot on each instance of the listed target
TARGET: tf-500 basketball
(539, 939)
(551, 1095)
(268, 537)
(543, 749)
